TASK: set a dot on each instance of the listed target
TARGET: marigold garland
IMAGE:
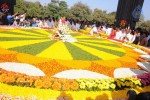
(123, 23)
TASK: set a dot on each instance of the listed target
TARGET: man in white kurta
(94, 30)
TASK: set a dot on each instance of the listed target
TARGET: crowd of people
(132, 95)
(137, 36)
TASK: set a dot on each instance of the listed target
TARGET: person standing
(10, 18)
(22, 18)
(137, 37)
(148, 40)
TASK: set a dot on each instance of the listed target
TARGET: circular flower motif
(47, 84)
(66, 87)
(112, 86)
(56, 86)
(38, 83)
(74, 85)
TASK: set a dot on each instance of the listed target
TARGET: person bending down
(94, 30)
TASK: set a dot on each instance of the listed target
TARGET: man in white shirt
(123, 36)
(108, 31)
(94, 30)
(78, 26)
(22, 18)
(118, 34)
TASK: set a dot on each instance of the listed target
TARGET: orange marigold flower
(10, 79)
(38, 83)
(30, 81)
(70, 81)
(3, 77)
(47, 84)
(74, 85)
(20, 80)
(56, 86)
(63, 81)
(66, 87)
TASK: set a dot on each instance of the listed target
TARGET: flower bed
(112, 84)
(96, 55)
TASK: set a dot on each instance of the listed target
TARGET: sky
(106, 5)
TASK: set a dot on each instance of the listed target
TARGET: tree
(81, 12)
(20, 6)
(141, 20)
(34, 9)
(53, 10)
(55, 2)
(98, 15)
(63, 5)
(111, 17)
(44, 12)
(145, 25)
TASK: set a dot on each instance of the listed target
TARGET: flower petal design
(128, 45)
(146, 57)
(140, 51)
(127, 72)
(22, 68)
(77, 74)
(144, 65)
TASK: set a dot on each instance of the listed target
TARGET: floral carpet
(33, 46)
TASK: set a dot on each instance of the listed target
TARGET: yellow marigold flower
(38, 83)
(127, 83)
(113, 86)
(94, 85)
(97, 80)
(131, 84)
(123, 84)
(100, 86)
(82, 85)
(137, 82)
(121, 79)
(79, 80)
(111, 80)
(127, 78)
(118, 84)
(102, 81)
(89, 84)
(106, 86)
(90, 80)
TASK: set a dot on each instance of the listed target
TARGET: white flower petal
(140, 51)
(146, 57)
(22, 68)
(76, 74)
(127, 72)
(144, 65)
